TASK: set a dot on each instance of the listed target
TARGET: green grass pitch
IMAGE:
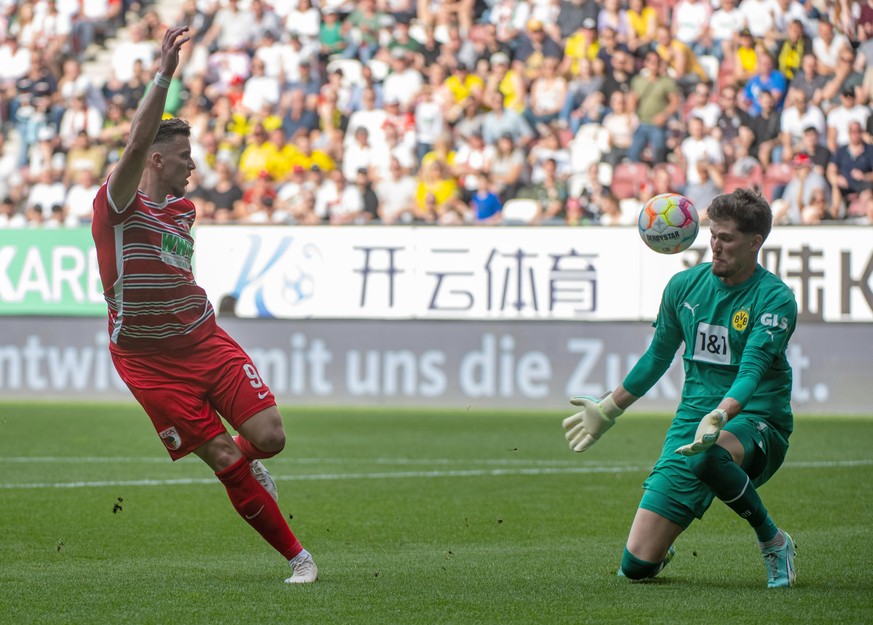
(413, 516)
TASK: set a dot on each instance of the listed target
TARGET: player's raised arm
(126, 177)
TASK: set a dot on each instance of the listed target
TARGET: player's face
(177, 164)
(734, 254)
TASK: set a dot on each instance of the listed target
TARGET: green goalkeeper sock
(715, 468)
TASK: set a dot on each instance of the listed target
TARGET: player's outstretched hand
(173, 40)
(586, 427)
(707, 433)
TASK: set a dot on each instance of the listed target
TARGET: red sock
(255, 505)
(250, 451)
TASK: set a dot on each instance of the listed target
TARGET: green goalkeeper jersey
(735, 339)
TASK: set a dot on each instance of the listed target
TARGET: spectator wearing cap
(507, 80)
(361, 29)
(533, 47)
(844, 79)
(490, 46)
(724, 27)
(655, 97)
(808, 80)
(766, 78)
(581, 45)
(799, 190)
(841, 117)
(547, 97)
(851, 167)
(573, 13)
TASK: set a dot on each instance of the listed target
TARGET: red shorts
(184, 391)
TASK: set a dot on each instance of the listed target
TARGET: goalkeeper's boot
(304, 569)
(259, 471)
(780, 563)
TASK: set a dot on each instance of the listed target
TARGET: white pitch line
(403, 475)
(295, 461)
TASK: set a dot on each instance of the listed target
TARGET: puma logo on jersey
(770, 332)
(690, 307)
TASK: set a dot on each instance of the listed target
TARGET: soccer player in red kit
(165, 343)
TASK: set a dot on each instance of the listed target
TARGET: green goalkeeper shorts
(674, 492)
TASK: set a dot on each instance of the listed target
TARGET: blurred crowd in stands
(448, 111)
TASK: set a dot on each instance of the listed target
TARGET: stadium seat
(520, 211)
(627, 179)
(777, 175)
(735, 181)
(710, 65)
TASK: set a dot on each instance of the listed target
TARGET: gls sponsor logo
(773, 320)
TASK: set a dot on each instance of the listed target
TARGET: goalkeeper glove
(707, 433)
(585, 427)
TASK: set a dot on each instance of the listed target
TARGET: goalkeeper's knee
(709, 466)
(634, 568)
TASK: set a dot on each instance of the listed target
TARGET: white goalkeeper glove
(707, 433)
(585, 427)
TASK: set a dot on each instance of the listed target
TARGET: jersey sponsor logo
(772, 320)
(690, 307)
(740, 320)
(711, 344)
(171, 438)
(176, 251)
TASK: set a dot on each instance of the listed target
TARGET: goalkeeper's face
(734, 254)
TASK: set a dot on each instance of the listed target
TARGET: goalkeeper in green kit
(735, 319)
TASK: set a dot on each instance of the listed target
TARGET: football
(668, 223)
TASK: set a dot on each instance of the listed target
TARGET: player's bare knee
(274, 440)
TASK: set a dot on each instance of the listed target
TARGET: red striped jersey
(144, 254)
